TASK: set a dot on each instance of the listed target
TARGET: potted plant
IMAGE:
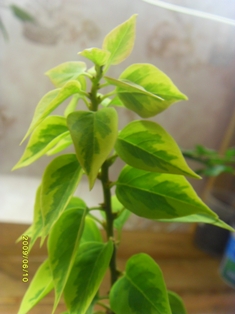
(151, 185)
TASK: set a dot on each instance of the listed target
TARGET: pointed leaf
(21, 14)
(86, 276)
(141, 290)
(37, 225)
(66, 72)
(176, 303)
(159, 196)
(59, 182)
(200, 218)
(50, 102)
(146, 145)
(153, 81)
(62, 246)
(120, 41)
(91, 232)
(93, 135)
(39, 287)
(44, 137)
(63, 143)
(96, 55)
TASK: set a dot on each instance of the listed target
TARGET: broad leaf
(112, 102)
(61, 145)
(91, 232)
(45, 136)
(59, 182)
(146, 145)
(96, 55)
(37, 226)
(153, 81)
(86, 276)
(120, 41)
(141, 290)
(63, 243)
(176, 303)
(66, 72)
(76, 202)
(39, 287)
(50, 102)
(93, 135)
(159, 196)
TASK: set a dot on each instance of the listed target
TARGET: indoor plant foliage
(151, 185)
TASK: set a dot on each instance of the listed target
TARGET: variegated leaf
(50, 102)
(63, 243)
(65, 72)
(44, 137)
(120, 41)
(146, 145)
(39, 287)
(93, 135)
(92, 261)
(59, 182)
(96, 55)
(141, 290)
(160, 196)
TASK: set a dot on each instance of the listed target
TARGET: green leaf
(37, 226)
(91, 232)
(39, 287)
(96, 55)
(141, 290)
(159, 196)
(72, 105)
(157, 94)
(63, 243)
(93, 135)
(120, 41)
(66, 72)
(76, 202)
(61, 145)
(44, 137)
(3, 30)
(21, 14)
(146, 145)
(176, 303)
(50, 101)
(59, 182)
(86, 276)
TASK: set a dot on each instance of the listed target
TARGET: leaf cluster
(152, 184)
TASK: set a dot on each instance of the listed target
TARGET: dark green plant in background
(151, 185)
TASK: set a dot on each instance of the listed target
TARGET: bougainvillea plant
(152, 184)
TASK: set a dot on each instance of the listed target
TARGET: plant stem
(109, 217)
(95, 100)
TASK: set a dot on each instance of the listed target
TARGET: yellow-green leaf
(92, 261)
(146, 145)
(63, 244)
(91, 232)
(146, 90)
(59, 182)
(141, 290)
(94, 135)
(61, 145)
(159, 196)
(120, 41)
(66, 72)
(96, 55)
(50, 102)
(44, 137)
(39, 287)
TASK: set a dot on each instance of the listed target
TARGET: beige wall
(197, 54)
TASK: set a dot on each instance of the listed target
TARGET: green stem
(109, 218)
(95, 100)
